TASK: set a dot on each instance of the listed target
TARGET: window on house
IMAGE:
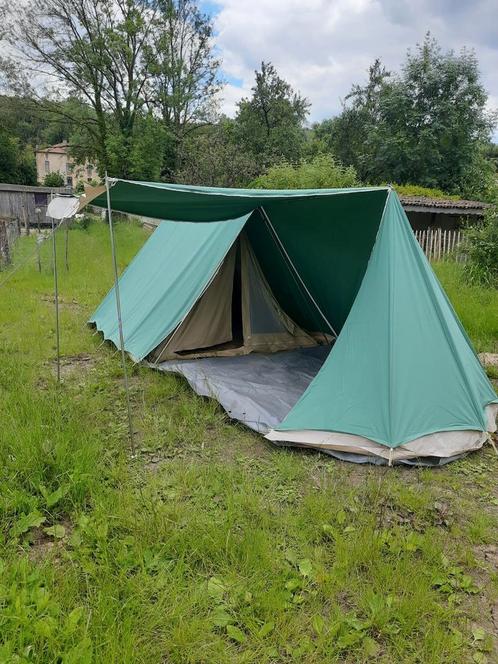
(47, 166)
(89, 170)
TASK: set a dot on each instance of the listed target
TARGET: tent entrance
(237, 314)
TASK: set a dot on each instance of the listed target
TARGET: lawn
(212, 546)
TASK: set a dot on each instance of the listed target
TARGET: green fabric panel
(186, 203)
(402, 366)
(164, 281)
(329, 240)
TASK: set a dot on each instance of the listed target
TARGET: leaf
(480, 658)
(349, 639)
(53, 498)
(370, 646)
(45, 626)
(73, 619)
(216, 588)
(266, 629)
(56, 531)
(341, 517)
(220, 617)
(293, 584)
(27, 521)
(305, 567)
(479, 634)
(318, 624)
(328, 530)
(236, 634)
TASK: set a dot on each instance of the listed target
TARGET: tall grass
(211, 546)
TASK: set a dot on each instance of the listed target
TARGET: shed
(18, 201)
(424, 212)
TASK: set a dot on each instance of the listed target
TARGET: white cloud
(323, 46)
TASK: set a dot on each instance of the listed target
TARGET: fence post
(4, 243)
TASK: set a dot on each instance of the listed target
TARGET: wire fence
(439, 245)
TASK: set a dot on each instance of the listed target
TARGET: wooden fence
(438, 244)
(10, 230)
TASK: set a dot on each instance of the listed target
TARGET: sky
(322, 47)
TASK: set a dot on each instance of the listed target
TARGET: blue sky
(322, 47)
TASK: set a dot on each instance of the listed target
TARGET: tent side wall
(402, 368)
(164, 281)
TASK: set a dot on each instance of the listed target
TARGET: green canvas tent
(312, 315)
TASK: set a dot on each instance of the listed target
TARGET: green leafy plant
(481, 250)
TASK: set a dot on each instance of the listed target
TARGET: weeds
(212, 546)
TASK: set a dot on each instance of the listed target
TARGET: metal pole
(118, 311)
(66, 250)
(56, 298)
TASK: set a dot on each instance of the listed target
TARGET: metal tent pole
(56, 299)
(118, 311)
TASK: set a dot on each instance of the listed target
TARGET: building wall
(422, 220)
(55, 159)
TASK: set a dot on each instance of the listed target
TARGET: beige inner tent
(237, 314)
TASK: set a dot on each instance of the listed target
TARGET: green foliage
(320, 173)
(475, 304)
(428, 125)
(417, 190)
(269, 125)
(481, 249)
(54, 179)
(17, 164)
(212, 157)
(139, 77)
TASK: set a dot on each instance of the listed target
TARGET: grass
(211, 546)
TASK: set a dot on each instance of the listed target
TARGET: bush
(417, 190)
(54, 179)
(322, 172)
(481, 249)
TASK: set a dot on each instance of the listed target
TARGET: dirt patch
(74, 364)
(489, 359)
(68, 304)
(44, 545)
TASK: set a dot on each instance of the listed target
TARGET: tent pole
(56, 300)
(118, 311)
(288, 258)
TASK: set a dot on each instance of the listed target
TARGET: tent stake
(118, 311)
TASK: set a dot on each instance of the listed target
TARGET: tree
(270, 123)
(93, 51)
(54, 179)
(184, 79)
(17, 163)
(116, 66)
(212, 157)
(428, 125)
(322, 172)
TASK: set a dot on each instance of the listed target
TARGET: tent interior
(238, 314)
(311, 316)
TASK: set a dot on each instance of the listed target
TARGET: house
(445, 213)
(56, 158)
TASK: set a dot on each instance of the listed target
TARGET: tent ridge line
(296, 193)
